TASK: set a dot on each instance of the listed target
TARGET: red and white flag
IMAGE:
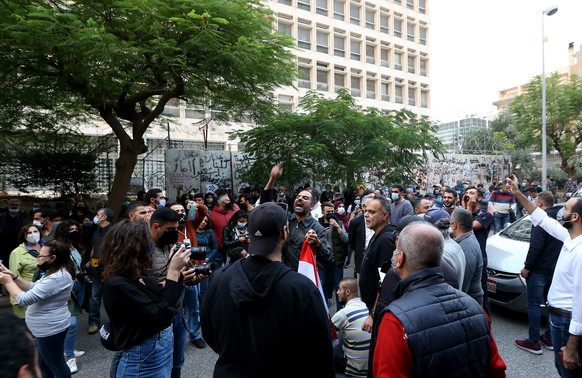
(308, 267)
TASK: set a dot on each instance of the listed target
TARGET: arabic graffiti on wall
(204, 171)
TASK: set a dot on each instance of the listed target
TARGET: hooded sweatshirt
(265, 320)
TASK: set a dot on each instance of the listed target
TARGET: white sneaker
(72, 363)
(79, 353)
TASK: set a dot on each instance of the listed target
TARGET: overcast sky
(479, 47)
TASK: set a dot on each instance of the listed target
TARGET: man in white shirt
(565, 295)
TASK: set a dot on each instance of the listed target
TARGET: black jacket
(544, 249)
(447, 331)
(138, 311)
(265, 320)
(378, 253)
(357, 239)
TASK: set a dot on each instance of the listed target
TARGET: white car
(506, 253)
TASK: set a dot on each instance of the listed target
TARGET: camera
(196, 253)
(83, 277)
(206, 269)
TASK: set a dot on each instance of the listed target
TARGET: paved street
(507, 326)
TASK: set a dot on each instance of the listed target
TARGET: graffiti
(204, 171)
(456, 167)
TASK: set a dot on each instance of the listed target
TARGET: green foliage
(563, 117)
(333, 140)
(63, 163)
(124, 61)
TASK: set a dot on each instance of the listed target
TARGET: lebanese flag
(308, 267)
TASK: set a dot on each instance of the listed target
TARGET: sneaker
(79, 353)
(72, 363)
(199, 343)
(546, 341)
(93, 328)
(529, 345)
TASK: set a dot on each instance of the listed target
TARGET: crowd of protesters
(209, 268)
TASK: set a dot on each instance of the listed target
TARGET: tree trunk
(124, 166)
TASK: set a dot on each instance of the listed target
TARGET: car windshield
(520, 230)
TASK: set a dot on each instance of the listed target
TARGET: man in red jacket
(431, 329)
(219, 217)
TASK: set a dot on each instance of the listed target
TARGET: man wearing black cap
(262, 318)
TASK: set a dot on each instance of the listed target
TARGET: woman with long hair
(140, 310)
(235, 235)
(69, 233)
(23, 259)
(47, 315)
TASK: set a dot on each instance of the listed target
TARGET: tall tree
(123, 61)
(563, 120)
(334, 141)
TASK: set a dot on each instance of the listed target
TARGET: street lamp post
(546, 12)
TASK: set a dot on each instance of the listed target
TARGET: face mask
(126, 204)
(356, 202)
(96, 219)
(209, 200)
(162, 203)
(88, 224)
(33, 238)
(14, 211)
(436, 192)
(55, 224)
(37, 223)
(394, 196)
(44, 266)
(169, 237)
(35, 209)
(182, 219)
(241, 224)
(74, 236)
(341, 210)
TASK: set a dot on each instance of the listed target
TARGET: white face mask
(37, 223)
(341, 210)
(33, 238)
(96, 219)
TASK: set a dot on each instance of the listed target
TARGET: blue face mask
(241, 224)
(356, 202)
(394, 196)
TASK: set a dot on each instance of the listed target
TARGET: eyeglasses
(39, 256)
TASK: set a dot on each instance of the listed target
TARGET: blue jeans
(51, 359)
(192, 305)
(499, 222)
(79, 289)
(559, 326)
(179, 344)
(95, 303)
(152, 358)
(537, 289)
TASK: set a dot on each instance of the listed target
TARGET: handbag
(74, 305)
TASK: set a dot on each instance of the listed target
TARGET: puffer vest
(447, 331)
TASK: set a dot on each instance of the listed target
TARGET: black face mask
(74, 236)
(168, 237)
(182, 219)
(45, 266)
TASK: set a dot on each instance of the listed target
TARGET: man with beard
(300, 222)
(564, 297)
(449, 200)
